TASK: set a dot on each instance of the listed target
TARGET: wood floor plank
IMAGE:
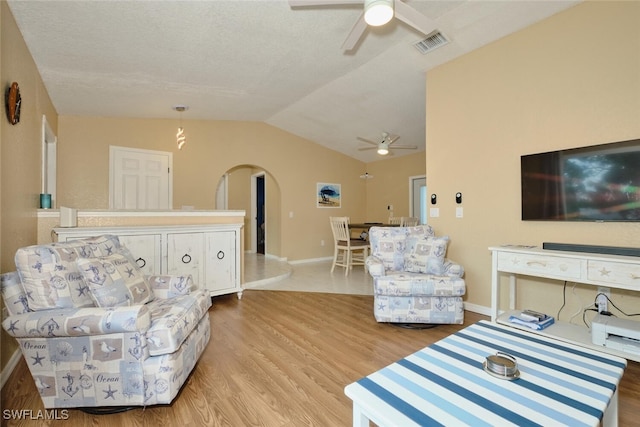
(279, 359)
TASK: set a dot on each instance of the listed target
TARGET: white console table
(619, 272)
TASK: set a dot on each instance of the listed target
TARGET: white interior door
(140, 179)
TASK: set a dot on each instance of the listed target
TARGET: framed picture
(328, 195)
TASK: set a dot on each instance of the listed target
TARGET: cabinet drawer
(614, 273)
(553, 267)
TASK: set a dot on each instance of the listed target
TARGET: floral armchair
(413, 280)
(95, 332)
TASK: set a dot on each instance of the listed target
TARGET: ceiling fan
(375, 13)
(384, 145)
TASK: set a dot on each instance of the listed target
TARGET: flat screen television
(596, 183)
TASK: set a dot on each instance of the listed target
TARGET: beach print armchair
(95, 332)
(413, 280)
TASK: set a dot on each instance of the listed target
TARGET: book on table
(538, 324)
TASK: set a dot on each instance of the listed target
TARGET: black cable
(564, 299)
(614, 306)
(584, 312)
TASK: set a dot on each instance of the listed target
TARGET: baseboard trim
(11, 365)
(310, 260)
(480, 309)
(276, 257)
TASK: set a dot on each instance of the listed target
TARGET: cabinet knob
(186, 258)
(141, 262)
(220, 255)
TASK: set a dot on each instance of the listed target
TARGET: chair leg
(335, 259)
(347, 264)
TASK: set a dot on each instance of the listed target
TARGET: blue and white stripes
(445, 384)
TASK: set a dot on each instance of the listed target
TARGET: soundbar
(608, 250)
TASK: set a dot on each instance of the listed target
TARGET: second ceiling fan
(383, 146)
(375, 13)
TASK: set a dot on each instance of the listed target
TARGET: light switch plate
(459, 212)
(434, 212)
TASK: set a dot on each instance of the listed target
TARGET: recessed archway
(242, 186)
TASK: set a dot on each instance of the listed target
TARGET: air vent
(432, 42)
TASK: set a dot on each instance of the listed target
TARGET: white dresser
(210, 253)
(612, 271)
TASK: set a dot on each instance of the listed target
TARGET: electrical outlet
(604, 290)
(602, 300)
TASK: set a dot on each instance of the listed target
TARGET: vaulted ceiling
(257, 60)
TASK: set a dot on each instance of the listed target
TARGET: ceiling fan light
(383, 149)
(378, 12)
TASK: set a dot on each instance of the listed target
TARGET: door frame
(49, 161)
(411, 204)
(113, 149)
(254, 212)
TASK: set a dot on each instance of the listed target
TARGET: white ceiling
(256, 60)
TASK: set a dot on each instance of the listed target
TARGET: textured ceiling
(256, 60)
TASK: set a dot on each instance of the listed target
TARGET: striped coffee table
(445, 384)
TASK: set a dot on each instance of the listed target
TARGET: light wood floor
(281, 358)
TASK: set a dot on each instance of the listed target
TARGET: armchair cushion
(50, 276)
(418, 285)
(389, 244)
(173, 319)
(115, 280)
(167, 286)
(427, 255)
(69, 322)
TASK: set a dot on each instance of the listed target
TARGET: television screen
(597, 183)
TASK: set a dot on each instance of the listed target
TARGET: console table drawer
(540, 265)
(625, 275)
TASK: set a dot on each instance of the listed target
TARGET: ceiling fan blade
(368, 141)
(367, 148)
(355, 34)
(412, 17)
(408, 147)
(311, 3)
(392, 139)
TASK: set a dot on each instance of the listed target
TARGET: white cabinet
(210, 253)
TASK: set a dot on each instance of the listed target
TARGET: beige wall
(20, 152)
(390, 185)
(294, 166)
(572, 80)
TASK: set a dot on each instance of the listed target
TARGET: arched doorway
(253, 189)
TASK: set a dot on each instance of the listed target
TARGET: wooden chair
(347, 251)
(408, 221)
